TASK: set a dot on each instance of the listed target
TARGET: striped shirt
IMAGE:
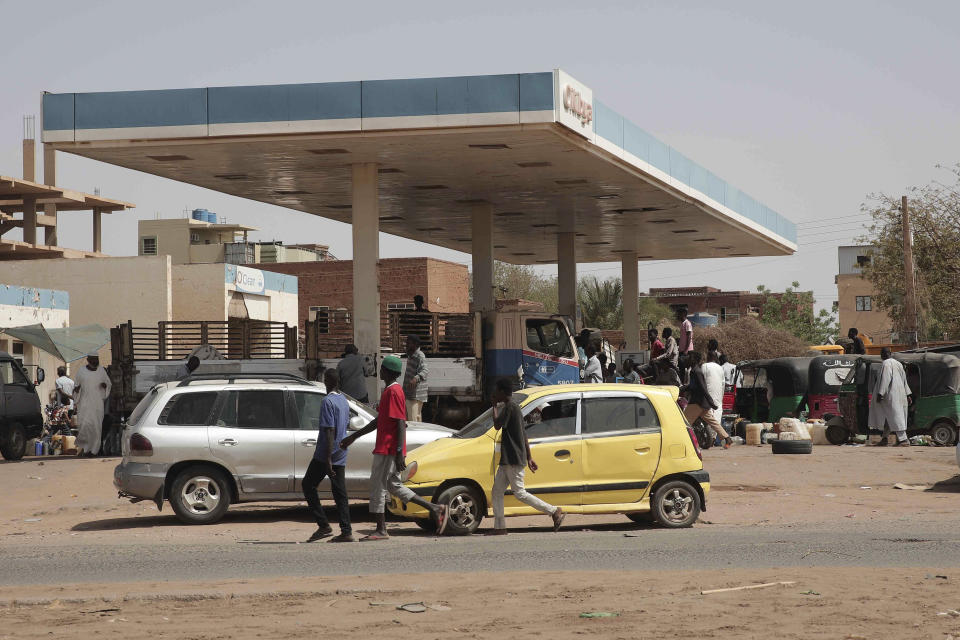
(416, 369)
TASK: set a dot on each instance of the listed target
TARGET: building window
(18, 352)
(864, 303)
(400, 306)
(321, 316)
(148, 246)
(863, 261)
(195, 238)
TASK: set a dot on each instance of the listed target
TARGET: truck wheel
(836, 434)
(200, 495)
(676, 505)
(466, 510)
(943, 433)
(13, 444)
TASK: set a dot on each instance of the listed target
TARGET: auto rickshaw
(826, 375)
(934, 380)
(772, 389)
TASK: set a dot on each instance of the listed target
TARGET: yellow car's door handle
(563, 455)
(642, 450)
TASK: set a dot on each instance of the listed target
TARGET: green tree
(792, 311)
(600, 302)
(522, 281)
(935, 223)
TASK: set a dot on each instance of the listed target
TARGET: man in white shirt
(713, 376)
(64, 388)
(593, 373)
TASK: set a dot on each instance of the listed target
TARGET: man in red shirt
(389, 453)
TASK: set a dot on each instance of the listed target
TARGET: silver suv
(208, 441)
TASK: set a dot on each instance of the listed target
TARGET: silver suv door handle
(228, 442)
(309, 442)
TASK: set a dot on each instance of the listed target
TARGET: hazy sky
(806, 106)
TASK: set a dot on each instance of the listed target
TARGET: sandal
(374, 537)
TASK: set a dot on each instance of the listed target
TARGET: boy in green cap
(389, 453)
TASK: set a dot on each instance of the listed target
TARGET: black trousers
(316, 472)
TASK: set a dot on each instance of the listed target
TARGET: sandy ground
(57, 499)
(64, 500)
(822, 603)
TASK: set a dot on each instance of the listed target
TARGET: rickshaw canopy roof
(788, 376)
(939, 372)
(826, 373)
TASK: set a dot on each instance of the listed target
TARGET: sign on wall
(249, 280)
(574, 104)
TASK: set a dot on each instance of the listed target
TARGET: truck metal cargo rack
(236, 339)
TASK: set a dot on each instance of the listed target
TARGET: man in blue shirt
(330, 460)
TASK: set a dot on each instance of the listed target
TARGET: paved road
(611, 547)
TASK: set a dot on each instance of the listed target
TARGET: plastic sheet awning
(67, 344)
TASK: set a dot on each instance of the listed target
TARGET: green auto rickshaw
(934, 380)
(772, 389)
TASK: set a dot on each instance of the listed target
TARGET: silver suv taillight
(140, 445)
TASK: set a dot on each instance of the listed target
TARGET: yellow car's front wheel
(466, 509)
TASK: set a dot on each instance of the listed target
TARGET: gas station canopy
(538, 149)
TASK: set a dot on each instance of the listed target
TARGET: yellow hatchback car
(601, 448)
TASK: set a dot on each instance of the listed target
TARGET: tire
(13, 442)
(943, 433)
(466, 510)
(676, 505)
(791, 446)
(836, 434)
(200, 495)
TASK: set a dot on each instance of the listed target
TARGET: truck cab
(20, 415)
(535, 347)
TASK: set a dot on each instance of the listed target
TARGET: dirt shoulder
(822, 603)
(59, 499)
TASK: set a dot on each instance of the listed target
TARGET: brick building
(728, 306)
(326, 288)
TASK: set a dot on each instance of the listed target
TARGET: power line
(818, 220)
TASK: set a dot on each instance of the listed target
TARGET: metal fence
(235, 339)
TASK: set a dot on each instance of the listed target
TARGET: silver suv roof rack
(233, 377)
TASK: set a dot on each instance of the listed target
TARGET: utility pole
(909, 290)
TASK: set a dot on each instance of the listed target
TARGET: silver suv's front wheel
(200, 495)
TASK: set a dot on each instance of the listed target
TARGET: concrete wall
(20, 306)
(847, 258)
(173, 238)
(204, 291)
(728, 306)
(330, 283)
(104, 291)
(875, 323)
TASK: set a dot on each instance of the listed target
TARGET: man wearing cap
(350, 372)
(91, 387)
(389, 453)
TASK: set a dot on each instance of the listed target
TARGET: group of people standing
(85, 395)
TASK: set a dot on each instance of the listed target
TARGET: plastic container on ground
(818, 433)
(792, 425)
(754, 430)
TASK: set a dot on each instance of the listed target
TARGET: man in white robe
(91, 389)
(891, 397)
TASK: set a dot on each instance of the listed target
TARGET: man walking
(350, 373)
(389, 453)
(891, 398)
(514, 457)
(91, 387)
(329, 460)
(713, 377)
(701, 403)
(415, 379)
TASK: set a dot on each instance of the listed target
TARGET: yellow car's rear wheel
(676, 504)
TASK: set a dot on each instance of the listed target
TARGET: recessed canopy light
(508, 214)
(232, 176)
(546, 261)
(430, 229)
(683, 230)
(389, 170)
(488, 146)
(340, 206)
(606, 196)
(665, 221)
(544, 225)
(725, 248)
(523, 253)
(644, 257)
(580, 235)
(638, 210)
(499, 246)
(704, 239)
(170, 158)
(739, 255)
(569, 182)
(462, 239)
(327, 152)
(430, 187)
(598, 242)
(290, 192)
(390, 218)
(532, 165)
(470, 201)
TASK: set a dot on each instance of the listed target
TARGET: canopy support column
(366, 253)
(484, 298)
(567, 274)
(631, 301)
